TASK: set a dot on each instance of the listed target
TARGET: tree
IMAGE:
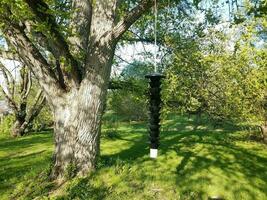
(17, 96)
(222, 75)
(69, 47)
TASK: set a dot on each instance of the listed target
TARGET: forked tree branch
(35, 110)
(39, 99)
(41, 10)
(45, 43)
(32, 58)
(39, 103)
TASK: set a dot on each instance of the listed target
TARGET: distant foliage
(6, 124)
(130, 101)
(223, 75)
(129, 105)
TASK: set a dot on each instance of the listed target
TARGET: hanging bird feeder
(154, 114)
(154, 98)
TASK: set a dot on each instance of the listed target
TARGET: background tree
(222, 74)
(16, 92)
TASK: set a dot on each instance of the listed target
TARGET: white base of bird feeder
(153, 153)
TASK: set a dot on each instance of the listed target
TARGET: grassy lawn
(194, 163)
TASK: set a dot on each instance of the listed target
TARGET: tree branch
(129, 19)
(4, 70)
(37, 98)
(145, 40)
(80, 25)
(41, 10)
(10, 82)
(29, 84)
(26, 83)
(33, 58)
(10, 101)
(39, 103)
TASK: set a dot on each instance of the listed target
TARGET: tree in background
(16, 93)
(222, 74)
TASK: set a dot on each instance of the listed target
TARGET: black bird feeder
(154, 114)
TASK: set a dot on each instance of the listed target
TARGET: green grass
(21, 159)
(193, 163)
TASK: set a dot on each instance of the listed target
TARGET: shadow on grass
(83, 189)
(23, 142)
(16, 164)
(202, 157)
(213, 151)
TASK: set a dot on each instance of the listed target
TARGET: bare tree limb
(26, 82)
(138, 38)
(123, 60)
(29, 84)
(4, 71)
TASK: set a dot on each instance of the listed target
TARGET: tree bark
(77, 130)
(24, 118)
(77, 118)
(18, 130)
(264, 132)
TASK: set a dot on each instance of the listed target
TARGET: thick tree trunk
(75, 88)
(77, 132)
(77, 127)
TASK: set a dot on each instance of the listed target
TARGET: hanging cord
(155, 35)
